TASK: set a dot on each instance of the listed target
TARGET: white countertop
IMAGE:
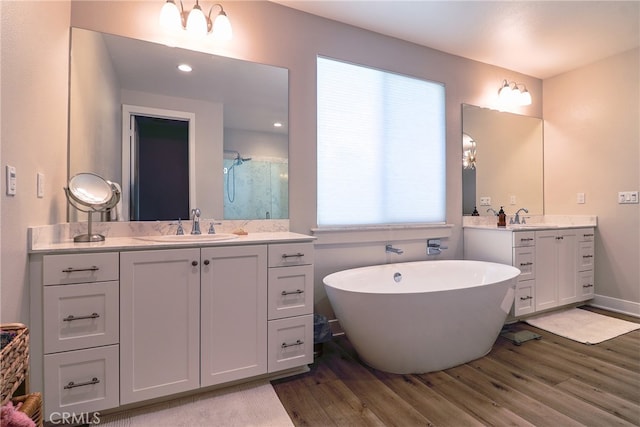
(142, 242)
(542, 222)
(121, 236)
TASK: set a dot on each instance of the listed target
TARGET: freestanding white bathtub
(423, 316)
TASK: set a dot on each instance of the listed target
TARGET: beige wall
(592, 145)
(34, 39)
(34, 92)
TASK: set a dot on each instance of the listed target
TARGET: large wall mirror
(502, 161)
(215, 138)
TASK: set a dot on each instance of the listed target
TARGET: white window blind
(381, 147)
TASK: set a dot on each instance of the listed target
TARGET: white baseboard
(618, 305)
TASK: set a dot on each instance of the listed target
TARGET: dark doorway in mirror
(160, 169)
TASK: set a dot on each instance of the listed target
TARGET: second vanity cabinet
(132, 325)
(556, 264)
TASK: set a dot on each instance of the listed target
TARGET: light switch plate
(485, 201)
(11, 181)
(627, 197)
(580, 198)
(40, 185)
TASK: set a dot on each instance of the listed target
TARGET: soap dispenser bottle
(502, 218)
(475, 211)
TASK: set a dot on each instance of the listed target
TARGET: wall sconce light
(512, 93)
(195, 21)
(468, 152)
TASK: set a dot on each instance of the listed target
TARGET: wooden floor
(549, 382)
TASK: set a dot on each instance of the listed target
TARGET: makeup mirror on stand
(91, 193)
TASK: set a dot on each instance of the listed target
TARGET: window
(381, 147)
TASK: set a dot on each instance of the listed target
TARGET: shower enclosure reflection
(255, 187)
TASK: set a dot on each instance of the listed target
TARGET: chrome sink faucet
(195, 213)
(516, 218)
(493, 211)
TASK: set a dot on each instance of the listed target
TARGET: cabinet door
(567, 244)
(546, 295)
(159, 323)
(234, 313)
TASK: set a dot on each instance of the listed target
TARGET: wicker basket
(14, 360)
(32, 406)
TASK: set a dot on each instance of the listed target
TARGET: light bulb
(197, 22)
(170, 16)
(222, 27)
(525, 97)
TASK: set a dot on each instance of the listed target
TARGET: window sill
(388, 233)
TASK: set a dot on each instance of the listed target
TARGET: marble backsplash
(556, 220)
(65, 232)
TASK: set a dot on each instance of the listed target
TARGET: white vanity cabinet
(139, 322)
(556, 264)
(80, 329)
(233, 313)
(516, 248)
(290, 305)
(159, 323)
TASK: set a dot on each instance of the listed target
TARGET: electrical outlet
(627, 197)
(580, 198)
(485, 201)
(512, 200)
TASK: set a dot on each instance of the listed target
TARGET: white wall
(269, 33)
(34, 38)
(34, 92)
(592, 145)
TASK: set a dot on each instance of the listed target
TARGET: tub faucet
(390, 248)
(195, 213)
(516, 218)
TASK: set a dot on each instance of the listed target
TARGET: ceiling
(538, 38)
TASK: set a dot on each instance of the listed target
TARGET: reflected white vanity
(555, 257)
(128, 320)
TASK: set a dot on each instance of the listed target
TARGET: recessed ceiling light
(185, 67)
(277, 125)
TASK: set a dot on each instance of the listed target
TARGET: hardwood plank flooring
(552, 382)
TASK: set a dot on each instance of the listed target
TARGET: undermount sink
(190, 237)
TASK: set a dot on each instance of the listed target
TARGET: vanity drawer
(290, 342)
(80, 268)
(286, 254)
(586, 287)
(524, 259)
(523, 238)
(524, 300)
(81, 381)
(585, 256)
(80, 316)
(586, 234)
(290, 291)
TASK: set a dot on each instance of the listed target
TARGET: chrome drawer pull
(560, 238)
(298, 255)
(526, 239)
(71, 384)
(587, 256)
(71, 317)
(526, 298)
(524, 264)
(587, 235)
(297, 291)
(75, 270)
(285, 345)
(589, 285)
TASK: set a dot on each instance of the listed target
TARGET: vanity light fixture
(195, 21)
(185, 68)
(277, 125)
(514, 93)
